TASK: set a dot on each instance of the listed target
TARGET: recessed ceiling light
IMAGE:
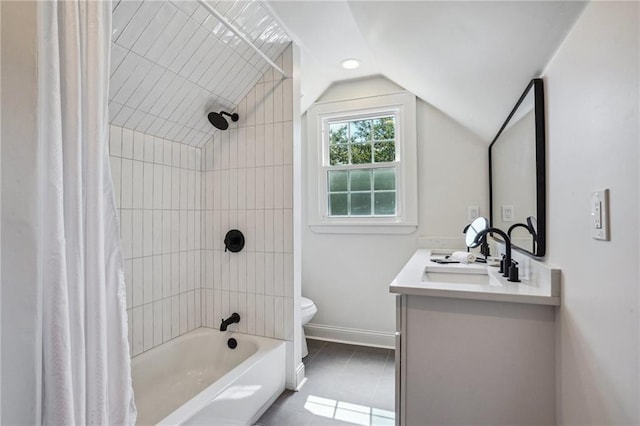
(350, 64)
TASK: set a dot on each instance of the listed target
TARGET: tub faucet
(234, 318)
(508, 267)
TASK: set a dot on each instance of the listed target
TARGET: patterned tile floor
(346, 385)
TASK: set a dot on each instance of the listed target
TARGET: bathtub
(196, 379)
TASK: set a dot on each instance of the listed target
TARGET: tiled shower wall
(248, 185)
(158, 194)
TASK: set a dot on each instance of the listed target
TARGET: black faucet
(234, 318)
(509, 268)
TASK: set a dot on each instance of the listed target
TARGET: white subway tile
(158, 177)
(166, 231)
(175, 155)
(278, 274)
(225, 309)
(217, 308)
(268, 187)
(259, 271)
(269, 274)
(116, 176)
(278, 187)
(278, 231)
(138, 146)
(191, 261)
(217, 191)
(241, 144)
(175, 274)
(277, 101)
(260, 230)
(175, 316)
(127, 143)
(157, 323)
(278, 144)
(251, 107)
(288, 142)
(217, 269)
(191, 189)
(166, 275)
(287, 100)
(138, 330)
(260, 315)
(183, 271)
(191, 310)
(233, 189)
(224, 189)
(148, 326)
(208, 316)
(184, 184)
(259, 188)
(157, 278)
(250, 149)
(166, 319)
(147, 279)
(148, 186)
(149, 148)
(259, 146)
(268, 145)
(268, 230)
(157, 232)
(126, 185)
(288, 187)
(183, 230)
(288, 231)
(268, 102)
(167, 152)
(147, 243)
(137, 241)
(278, 318)
(250, 316)
(269, 316)
(242, 310)
(233, 148)
(175, 188)
(233, 271)
(259, 110)
(138, 185)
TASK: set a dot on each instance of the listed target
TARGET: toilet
(308, 309)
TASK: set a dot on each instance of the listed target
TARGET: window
(360, 166)
(363, 166)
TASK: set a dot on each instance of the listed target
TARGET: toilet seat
(306, 303)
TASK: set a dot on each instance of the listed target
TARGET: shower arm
(240, 35)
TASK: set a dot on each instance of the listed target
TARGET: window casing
(363, 181)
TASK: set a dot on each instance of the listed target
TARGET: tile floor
(346, 385)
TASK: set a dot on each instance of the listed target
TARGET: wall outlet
(507, 213)
(473, 212)
(600, 215)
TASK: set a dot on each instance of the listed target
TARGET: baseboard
(353, 336)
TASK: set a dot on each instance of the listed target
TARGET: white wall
(347, 276)
(592, 124)
(20, 216)
(157, 186)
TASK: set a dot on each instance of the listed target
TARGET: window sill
(384, 229)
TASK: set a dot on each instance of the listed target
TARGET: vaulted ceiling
(470, 59)
(172, 62)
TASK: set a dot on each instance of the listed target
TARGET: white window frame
(403, 107)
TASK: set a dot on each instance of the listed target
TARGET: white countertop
(539, 284)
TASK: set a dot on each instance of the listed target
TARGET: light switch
(473, 212)
(600, 215)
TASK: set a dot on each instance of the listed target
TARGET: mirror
(472, 231)
(517, 173)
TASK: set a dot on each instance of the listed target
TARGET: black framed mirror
(517, 183)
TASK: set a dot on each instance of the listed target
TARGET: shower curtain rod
(238, 33)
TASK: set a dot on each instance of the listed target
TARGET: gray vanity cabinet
(474, 362)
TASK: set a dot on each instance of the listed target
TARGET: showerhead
(219, 122)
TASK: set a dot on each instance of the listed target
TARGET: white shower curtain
(86, 372)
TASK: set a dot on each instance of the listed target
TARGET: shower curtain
(86, 372)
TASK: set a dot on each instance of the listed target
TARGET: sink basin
(456, 275)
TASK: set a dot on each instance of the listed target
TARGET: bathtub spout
(231, 320)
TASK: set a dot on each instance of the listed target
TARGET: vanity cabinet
(462, 361)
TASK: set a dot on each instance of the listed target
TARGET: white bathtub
(196, 379)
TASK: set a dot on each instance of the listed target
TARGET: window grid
(375, 134)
